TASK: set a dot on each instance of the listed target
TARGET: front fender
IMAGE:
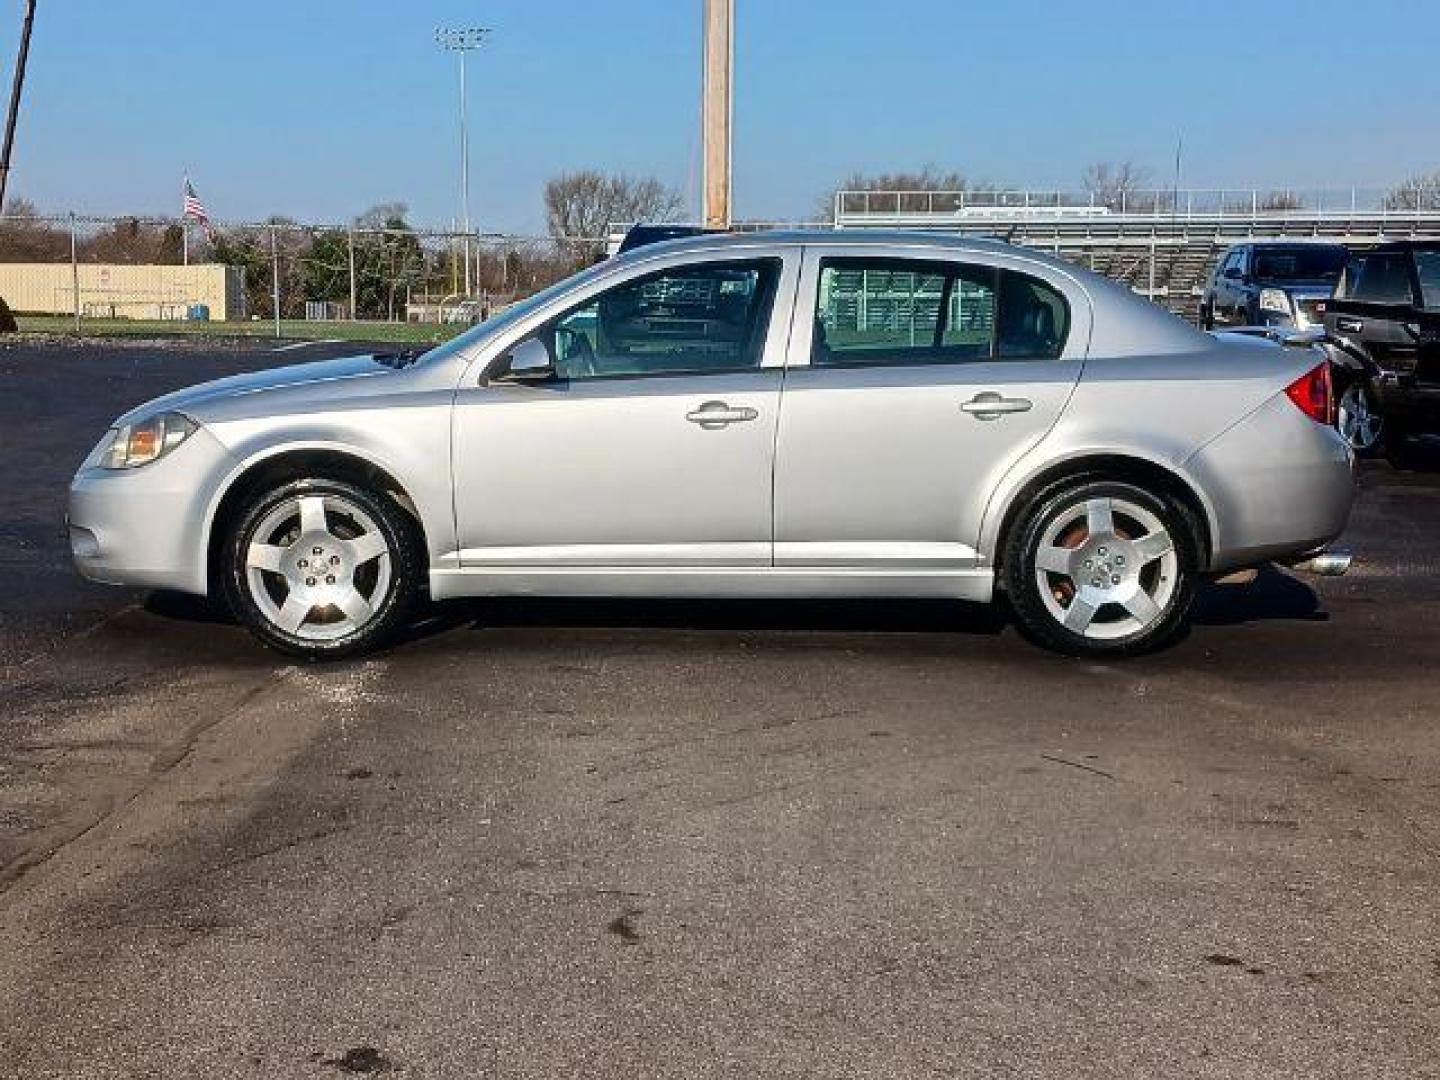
(413, 451)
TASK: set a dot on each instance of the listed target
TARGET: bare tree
(25, 238)
(1270, 201)
(1114, 184)
(900, 191)
(1416, 193)
(580, 207)
(1281, 200)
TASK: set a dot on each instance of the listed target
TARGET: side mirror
(1234, 273)
(529, 362)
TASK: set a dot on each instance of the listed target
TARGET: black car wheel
(1358, 417)
(323, 569)
(1101, 568)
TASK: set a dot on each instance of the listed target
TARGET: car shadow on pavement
(184, 607)
(1273, 595)
(816, 616)
(1419, 455)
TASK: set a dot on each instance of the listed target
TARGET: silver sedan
(766, 415)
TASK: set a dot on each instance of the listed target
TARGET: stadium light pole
(462, 40)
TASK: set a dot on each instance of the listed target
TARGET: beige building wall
(125, 292)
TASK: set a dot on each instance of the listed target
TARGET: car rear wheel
(1101, 567)
(323, 569)
(1359, 419)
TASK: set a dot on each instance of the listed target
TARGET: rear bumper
(146, 527)
(1280, 485)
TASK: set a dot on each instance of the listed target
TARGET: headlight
(145, 440)
(1276, 300)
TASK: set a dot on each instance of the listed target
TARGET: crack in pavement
(164, 761)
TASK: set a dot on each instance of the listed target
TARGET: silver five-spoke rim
(1106, 568)
(317, 567)
(1358, 422)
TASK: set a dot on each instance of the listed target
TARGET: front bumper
(146, 527)
(1280, 485)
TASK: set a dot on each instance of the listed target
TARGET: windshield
(1299, 264)
(1427, 264)
(512, 314)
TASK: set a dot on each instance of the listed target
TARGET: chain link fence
(71, 272)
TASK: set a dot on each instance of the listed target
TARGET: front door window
(690, 320)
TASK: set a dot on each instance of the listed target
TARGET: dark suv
(1384, 325)
(1272, 283)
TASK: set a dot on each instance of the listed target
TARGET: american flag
(194, 208)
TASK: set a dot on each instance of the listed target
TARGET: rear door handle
(992, 406)
(1349, 326)
(717, 414)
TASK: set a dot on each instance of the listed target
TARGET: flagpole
(185, 223)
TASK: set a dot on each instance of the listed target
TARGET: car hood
(1318, 287)
(195, 401)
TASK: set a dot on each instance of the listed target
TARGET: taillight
(1312, 393)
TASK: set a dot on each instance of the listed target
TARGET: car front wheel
(1101, 567)
(323, 569)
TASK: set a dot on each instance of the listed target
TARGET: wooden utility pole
(15, 88)
(717, 109)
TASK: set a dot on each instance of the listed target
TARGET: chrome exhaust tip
(1325, 563)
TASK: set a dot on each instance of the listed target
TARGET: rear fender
(1115, 459)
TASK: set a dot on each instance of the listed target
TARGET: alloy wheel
(1360, 424)
(318, 567)
(1106, 568)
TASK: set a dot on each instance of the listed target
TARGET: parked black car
(1272, 283)
(1384, 326)
(640, 235)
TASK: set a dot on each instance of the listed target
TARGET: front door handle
(717, 414)
(992, 406)
(1349, 326)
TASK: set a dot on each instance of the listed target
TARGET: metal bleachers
(1160, 243)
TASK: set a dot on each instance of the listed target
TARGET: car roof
(1408, 245)
(876, 238)
(1296, 242)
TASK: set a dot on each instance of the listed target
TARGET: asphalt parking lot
(548, 839)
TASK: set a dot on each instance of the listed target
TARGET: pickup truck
(1384, 328)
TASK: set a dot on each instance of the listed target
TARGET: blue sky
(319, 108)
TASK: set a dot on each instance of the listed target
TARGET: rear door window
(900, 312)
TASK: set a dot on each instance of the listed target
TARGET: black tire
(1396, 446)
(395, 579)
(1207, 317)
(1167, 580)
